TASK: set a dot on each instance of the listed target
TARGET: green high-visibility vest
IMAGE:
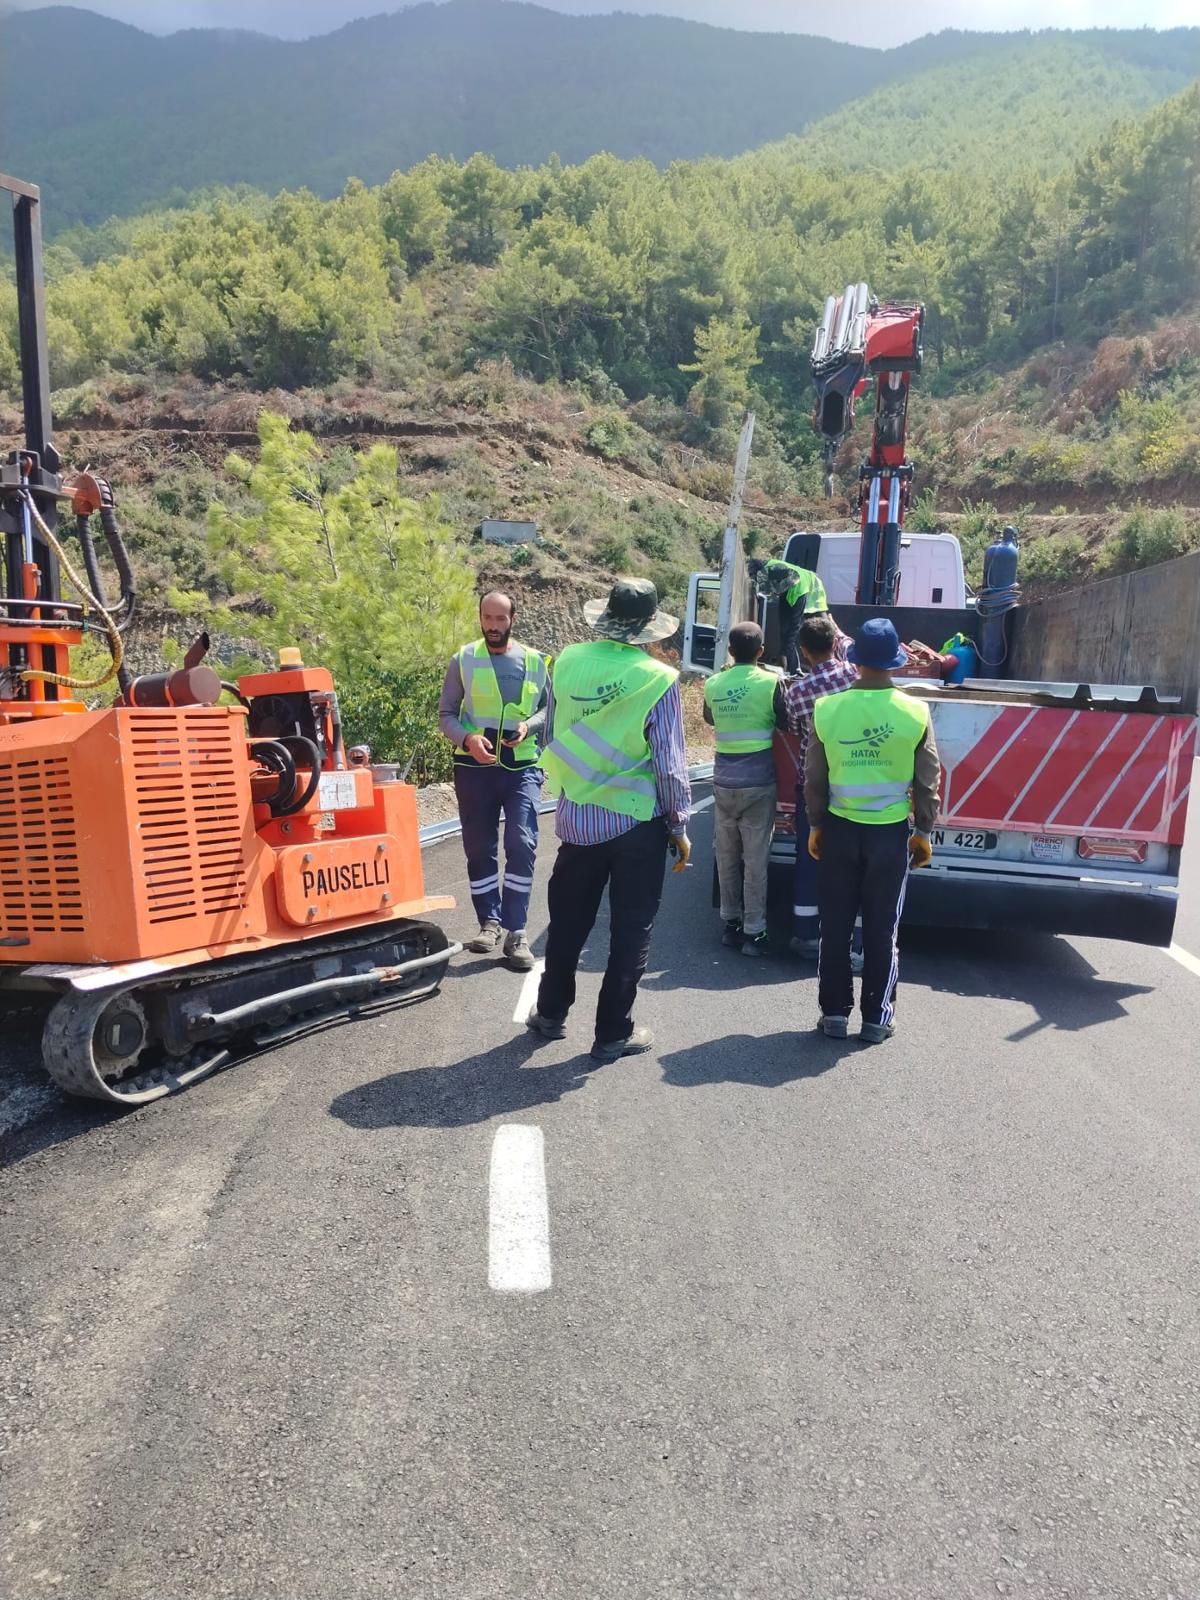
(742, 702)
(870, 738)
(807, 587)
(599, 755)
(482, 706)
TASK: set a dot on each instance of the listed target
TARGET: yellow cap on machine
(289, 656)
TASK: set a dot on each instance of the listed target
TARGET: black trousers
(632, 867)
(791, 619)
(863, 867)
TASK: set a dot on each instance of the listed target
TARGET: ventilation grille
(190, 812)
(39, 852)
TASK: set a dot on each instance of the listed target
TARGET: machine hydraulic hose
(116, 644)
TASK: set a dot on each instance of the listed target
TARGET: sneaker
(876, 1032)
(834, 1027)
(856, 963)
(807, 949)
(517, 952)
(756, 944)
(731, 935)
(487, 940)
(548, 1027)
(638, 1042)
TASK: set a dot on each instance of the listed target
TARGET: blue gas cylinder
(999, 595)
(1000, 563)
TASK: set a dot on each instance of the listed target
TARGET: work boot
(876, 1032)
(487, 939)
(807, 949)
(548, 1027)
(638, 1042)
(731, 935)
(834, 1027)
(756, 944)
(517, 952)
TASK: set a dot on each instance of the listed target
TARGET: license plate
(1047, 847)
(967, 839)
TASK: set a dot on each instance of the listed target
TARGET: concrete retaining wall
(1143, 627)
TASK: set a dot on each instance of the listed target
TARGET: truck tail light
(1092, 848)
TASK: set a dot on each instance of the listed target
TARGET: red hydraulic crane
(859, 339)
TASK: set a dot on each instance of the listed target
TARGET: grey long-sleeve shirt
(510, 676)
(926, 784)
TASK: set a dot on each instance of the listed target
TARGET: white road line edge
(529, 991)
(518, 1214)
(702, 805)
(1185, 958)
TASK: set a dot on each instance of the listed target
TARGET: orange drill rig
(184, 877)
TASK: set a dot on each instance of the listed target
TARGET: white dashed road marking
(702, 805)
(529, 989)
(1185, 958)
(518, 1215)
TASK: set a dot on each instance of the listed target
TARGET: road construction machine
(1069, 746)
(199, 867)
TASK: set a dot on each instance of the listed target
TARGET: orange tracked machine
(183, 877)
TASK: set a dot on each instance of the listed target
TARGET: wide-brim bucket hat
(877, 646)
(630, 615)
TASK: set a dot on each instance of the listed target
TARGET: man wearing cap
(799, 592)
(744, 704)
(492, 710)
(871, 762)
(615, 750)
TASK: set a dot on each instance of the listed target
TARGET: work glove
(680, 847)
(920, 851)
(814, 843)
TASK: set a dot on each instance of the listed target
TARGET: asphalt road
(912, 1323)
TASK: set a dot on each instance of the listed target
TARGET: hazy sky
(882, 22)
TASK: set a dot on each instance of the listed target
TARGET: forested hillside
(1007, 108)
(134, 119)
(575, 344)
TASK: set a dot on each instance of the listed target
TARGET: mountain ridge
(139, 118)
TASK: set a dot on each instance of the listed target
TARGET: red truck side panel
(1039, 769)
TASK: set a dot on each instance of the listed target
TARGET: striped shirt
(580, 824)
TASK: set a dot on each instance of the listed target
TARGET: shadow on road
(1044, 972)
(760, 1061)
(494, 1083)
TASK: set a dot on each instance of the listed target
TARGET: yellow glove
(814, 843)
(920, 851)
(680, 847)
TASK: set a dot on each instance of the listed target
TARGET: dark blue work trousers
(485, 795)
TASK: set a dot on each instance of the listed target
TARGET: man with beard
(492, 710)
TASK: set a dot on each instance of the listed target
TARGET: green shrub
(610, 436)
(653, 542)
(396, 714)
(923, 513)
(1149, 535)
(614, 554)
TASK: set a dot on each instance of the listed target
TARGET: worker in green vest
(744, 704)
(872, 764)
(492, 708)
(615, 751)
(800, 593)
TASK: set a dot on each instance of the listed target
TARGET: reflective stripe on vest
(481, 704)
(603, 693)
(742, 702)
(870, 738)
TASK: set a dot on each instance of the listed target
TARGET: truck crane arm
(859, 339)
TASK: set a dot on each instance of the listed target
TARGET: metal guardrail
(435, 832)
